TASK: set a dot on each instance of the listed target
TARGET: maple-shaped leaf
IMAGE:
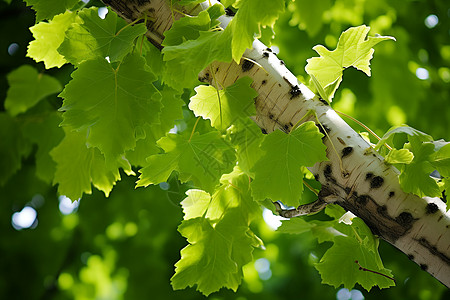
(402, 129)
(77, 166)
(112, 101)
(200, 158)
(49, 8)
(216, 254)
(27, 87)
(343, 255)
(96, 37)
(402, 156)
(301, 147)
(415, 176)
(186, 60)
(250, 17)
(223, 107)
(48, 37)
(353, 50)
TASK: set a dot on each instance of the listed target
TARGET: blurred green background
(125, 246)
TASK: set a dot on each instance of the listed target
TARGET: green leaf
(46, 134)
(200, 158)
(185, 61)
(415, 177)
(195, 204)
(48, 37)
(295, 226)
(13, 147)
(95, 37)
(112, 102)
(216, 254)
(187, 28)
(224, 107)
(27, 87)
(353, 50)
(302, 147)
(402, 156)
(77, 166)
(441, 160)
(388, 136)
(47, 9)
(246, 24)
(342, 256)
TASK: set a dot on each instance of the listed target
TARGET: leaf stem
(128, 25)
(364, 126)
(375, 272)
(299, 121)
(193, 129)
(310, 188)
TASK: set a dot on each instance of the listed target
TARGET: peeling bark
(363, 183)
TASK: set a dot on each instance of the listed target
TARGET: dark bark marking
(265, 54)
(410, 256)
(295, 92)
(263, 131)
(323, 101)
(247, 65)
(423, 267)
(263, 82)
(405, 219)
(444, 197)
(229, 12)
(268, 49)
(376, 182)
(369, 175)
(391, 194)
(363, 199)
(316, 177)
(424, 242)
(347, 151)
(286, 127)
(282, 62)
(341, 141)
(271, 116)
(431, 208)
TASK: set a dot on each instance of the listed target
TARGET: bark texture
(355, 176)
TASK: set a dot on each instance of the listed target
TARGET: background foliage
(125, 246)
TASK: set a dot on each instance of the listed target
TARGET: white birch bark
(355, 177)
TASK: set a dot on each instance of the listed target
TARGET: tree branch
(357, 178)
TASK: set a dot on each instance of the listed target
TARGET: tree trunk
(355, 177)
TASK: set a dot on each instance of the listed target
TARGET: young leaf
(49, 8)
(402, 129)
(111, 102)
(353, 50)
(95, 37)
(48, 37)
(223, 107)
(246, 24)
(200, 158)
(402, 156)
(302, 147)
(27, 87)
(441, 160)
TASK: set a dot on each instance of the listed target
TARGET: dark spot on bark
(341, 141)
(347, 151)
(321, 129)
(229, 12)
(323, 101)
(376, 182)
(281, 62)
(265, 54)
(295, 92)
(411, 257)
(432, 208)
(374, 155)
(405, 219)
(444, 197)
(363, 199)
(347, 189)
(349, 137)
(263, 82)
(279, 84)
(423, 267)
(271, 116)
(369, 175)
(290, 124)
(268, 49)
(286, 127)
(316, 177)
(327, 171)
(391, 194)
(263, 131)
(247, 65)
